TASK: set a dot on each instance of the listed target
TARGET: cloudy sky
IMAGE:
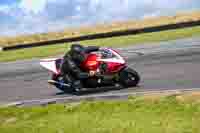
(36, 16)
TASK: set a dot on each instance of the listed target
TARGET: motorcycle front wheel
(129, 77)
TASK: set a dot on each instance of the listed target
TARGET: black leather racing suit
(71, 71)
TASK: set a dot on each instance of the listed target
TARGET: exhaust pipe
(56, 83)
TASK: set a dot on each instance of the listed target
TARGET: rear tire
(129, 77)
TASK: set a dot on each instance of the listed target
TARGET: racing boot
(77, 85)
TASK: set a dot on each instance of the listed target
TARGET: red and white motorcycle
(110, 66)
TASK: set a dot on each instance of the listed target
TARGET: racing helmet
(77, 53)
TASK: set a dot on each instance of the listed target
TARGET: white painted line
(12, 104)
(96, 97)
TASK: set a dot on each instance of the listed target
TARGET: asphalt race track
(169, 65)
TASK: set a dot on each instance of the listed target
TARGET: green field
(111, 42)
(169, 114)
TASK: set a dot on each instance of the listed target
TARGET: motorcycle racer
(90, 67)
(70, 69)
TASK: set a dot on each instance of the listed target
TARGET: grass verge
(114, 42)
(150, 114)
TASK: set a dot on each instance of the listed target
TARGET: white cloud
(34, 6)
(4, 8)
(31, 16)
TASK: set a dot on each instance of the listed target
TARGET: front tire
(129, 77)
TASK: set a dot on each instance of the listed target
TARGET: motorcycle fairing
(115, 59)
(50, 64)
(114, 63)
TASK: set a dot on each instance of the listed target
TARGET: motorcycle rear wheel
(129, 77)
